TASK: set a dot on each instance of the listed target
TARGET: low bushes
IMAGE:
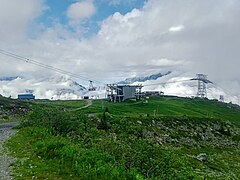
(69, 145)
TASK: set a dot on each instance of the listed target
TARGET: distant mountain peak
(9, 78)
(143, 79)
(55, 87)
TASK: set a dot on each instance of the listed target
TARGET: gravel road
(6, 162)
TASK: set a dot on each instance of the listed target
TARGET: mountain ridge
(144, 78)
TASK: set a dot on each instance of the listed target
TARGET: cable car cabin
(26, 97)
(85, 97)
(92, 89)
(153, 93)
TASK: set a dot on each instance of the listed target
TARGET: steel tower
(202, 85)
(91, 87)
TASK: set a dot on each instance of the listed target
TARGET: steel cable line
(42, 65)
(223, 89)
(167, 82)
(236, 97)
(212, 93)
(37, 63)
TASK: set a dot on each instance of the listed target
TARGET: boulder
(203, 157)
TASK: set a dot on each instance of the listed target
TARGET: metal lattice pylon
(202, 85)
(91, 87)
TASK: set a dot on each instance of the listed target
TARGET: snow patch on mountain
(61, 87)
(10, 78)
(145, 78)
(51, 88)
(179, 84)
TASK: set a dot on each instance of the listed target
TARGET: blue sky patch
(57, 13)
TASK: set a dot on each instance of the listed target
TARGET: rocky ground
(6, 161)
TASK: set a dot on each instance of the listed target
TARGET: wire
(167, 82)
(223, 89)
(58, 70)
(37, 63)
(212, 93)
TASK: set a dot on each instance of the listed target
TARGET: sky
(110, 40)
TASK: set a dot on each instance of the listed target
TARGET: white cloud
(178, 84)
(81, 10)
(15, 16)
(164, 62)
(141, 41)
(176, 28)
(52, 88)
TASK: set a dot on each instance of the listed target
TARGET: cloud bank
(167, 35)
(16, 17)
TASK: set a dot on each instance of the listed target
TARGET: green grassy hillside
(12, 110)
(68, 104)
(171, 106)
(161, 138)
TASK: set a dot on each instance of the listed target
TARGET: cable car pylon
(91, 87)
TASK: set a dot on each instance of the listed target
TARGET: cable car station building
(119, 93)
(26, 97)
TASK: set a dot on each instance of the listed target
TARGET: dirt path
(89, 103)
(6, 132)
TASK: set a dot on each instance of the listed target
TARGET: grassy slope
(12, 110)
(134, 146)
(171, 106)
(68, 104)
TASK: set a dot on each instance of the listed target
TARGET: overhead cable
(37, 63)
